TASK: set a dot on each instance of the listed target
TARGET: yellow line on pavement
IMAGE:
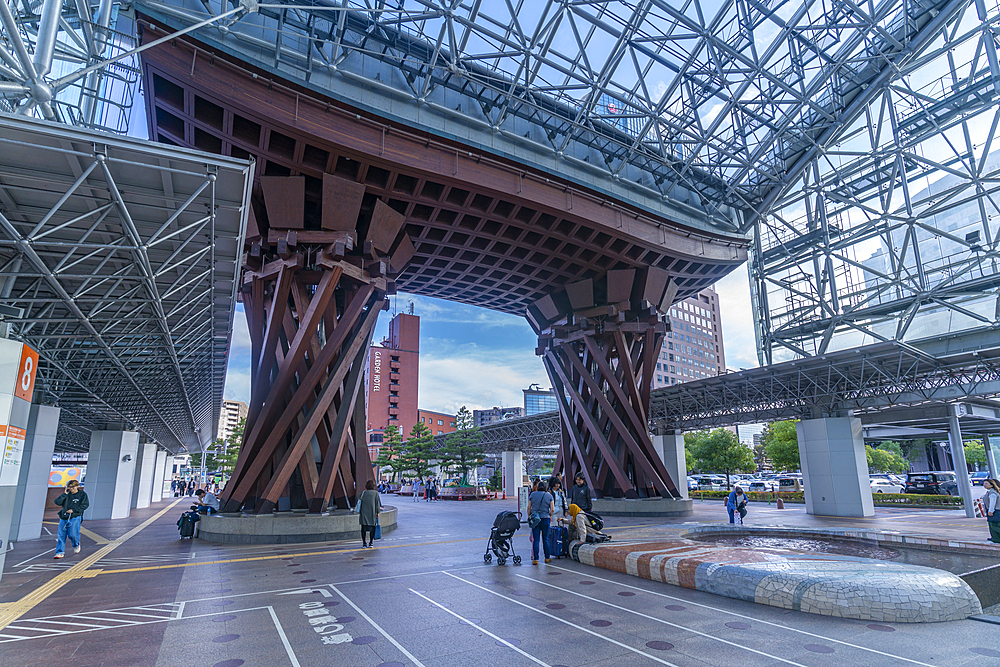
(276, 557)
(297, 554)
(12, 611)
(94, 536)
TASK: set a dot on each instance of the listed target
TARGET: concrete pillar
(36, 464)
(834, 467)
(671, 451)
(142, 480)
(18, 364)
(513, 472)
(159, 474)
(961, 467)
(991, 459)
(110, 473)
(168, 475)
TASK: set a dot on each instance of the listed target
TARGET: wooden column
(599, 341)
(312, 294)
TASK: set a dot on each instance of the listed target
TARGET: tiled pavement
(424, 597)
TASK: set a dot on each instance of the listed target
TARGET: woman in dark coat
(368, 513)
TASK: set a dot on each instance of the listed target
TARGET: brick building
(391, 379)
(439, 423)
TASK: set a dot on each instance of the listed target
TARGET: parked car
(883, 485)
(977, 478)
(790, 484)
(942, 483)
(707, 483)
(761, 485)
(693, 484)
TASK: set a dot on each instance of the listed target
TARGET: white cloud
(737, 319)
(241, 334)
(477, 379)
(238, 381)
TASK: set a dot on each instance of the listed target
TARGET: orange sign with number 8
(24, 387)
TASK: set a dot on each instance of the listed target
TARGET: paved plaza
(137, 595)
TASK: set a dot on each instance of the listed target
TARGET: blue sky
(480, 358)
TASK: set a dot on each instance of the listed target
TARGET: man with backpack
(73, 503)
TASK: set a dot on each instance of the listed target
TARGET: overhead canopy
(123, 256)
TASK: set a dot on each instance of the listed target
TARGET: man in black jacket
(579, 495)
(73, 502)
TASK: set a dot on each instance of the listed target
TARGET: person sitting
(207, 502)
(580, 529)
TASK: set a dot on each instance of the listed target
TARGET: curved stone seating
(831, 585)
(288, 527)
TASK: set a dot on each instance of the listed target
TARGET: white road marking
(284, 639)
(743, 615)
(378, 627)
(483, 630)
(659, 620)
(572, 625)
(35, 556)
(53, 633)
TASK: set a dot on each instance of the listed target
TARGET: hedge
(879, 498)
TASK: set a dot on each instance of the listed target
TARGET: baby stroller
(504, 527)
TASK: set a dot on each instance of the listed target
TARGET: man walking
(73, 502)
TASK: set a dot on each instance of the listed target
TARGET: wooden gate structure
(313, 287)
(352, 204)
(599, 341)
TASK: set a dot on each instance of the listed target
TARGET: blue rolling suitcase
(558, 538)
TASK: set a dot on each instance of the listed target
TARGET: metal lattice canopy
(123, 256)
(853, 139)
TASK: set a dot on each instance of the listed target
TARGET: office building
(537, 400)
(232, 413)
(439, 423)
(391, 379)
(494, 415)
(693, 347)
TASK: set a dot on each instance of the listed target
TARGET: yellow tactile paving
(12, 611)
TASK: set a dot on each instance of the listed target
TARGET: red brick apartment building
(392, 379)
(439, 423)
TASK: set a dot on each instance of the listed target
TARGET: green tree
(781, 444)
(418, 451)
(886, 460)
(462, 451)
(390, 453)
(692, 442)
(975, 452)
(496, 479)
(229, 451)
(722, 451)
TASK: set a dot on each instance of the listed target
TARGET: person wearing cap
(736, 502)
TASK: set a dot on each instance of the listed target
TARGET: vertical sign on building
(18, 364)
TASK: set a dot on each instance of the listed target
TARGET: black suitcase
(558, 538)
(187, 522)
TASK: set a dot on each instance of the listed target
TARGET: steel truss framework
(123, 257)
(886, 383)
(854, 140)
(891, 232)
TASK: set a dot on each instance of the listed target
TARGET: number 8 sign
(25, 384)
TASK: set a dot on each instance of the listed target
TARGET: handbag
(534, 519)
(378, 530)
(357, 505)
